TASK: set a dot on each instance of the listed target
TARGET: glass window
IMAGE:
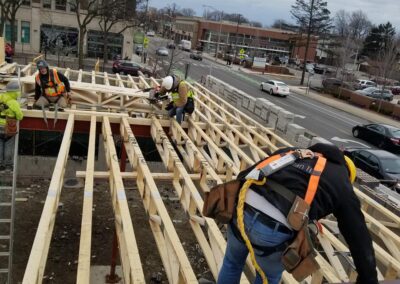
(53, 37)
(61, 5)
(362, 155)
(47, 4)
(25, 32)
(373, 161)
(8, 32)
(95, 44)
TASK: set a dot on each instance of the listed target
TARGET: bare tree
(86, 11)
(341, 21)
(313, 17)
(9, 9)
(113, 13)
(187, 12)
(359, 25)
(387, 62)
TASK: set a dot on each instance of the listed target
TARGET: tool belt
(220, 202)
(10, 128)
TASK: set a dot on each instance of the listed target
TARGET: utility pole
(219, 35)
(144, 53)
(237, 34)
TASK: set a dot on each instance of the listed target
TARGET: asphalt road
(327, 122)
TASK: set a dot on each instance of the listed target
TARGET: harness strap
(314, 180)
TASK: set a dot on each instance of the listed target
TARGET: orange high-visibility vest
(54, 87)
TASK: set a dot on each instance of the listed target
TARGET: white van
(186, 45)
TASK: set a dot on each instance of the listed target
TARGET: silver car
(376, 93)
(162, 51)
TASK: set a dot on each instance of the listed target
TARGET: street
(325, 121)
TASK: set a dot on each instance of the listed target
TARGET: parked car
(171, 46)
(275, 88)
(196, 55)
(376, 93)
(362, 84)
(331, 83)
(139, 49)
(128, 67)
(380, 164)
(150, 33)
(162, 51)
(382, 135)
(396, 89)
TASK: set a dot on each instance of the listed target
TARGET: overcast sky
(267, 11)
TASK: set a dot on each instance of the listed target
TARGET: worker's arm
(353, 228)
(14, 106)
(183, 93)
(38, 91)
(65, 81)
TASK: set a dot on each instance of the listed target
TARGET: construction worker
(181, 94)
(264, 206)
(51, 87)
(10, 112)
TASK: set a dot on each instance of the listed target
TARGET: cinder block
(275, 109)
(257, 110)
(273, 119)
(303, 142)
(245, 102)
(293, 132)
(252, 104)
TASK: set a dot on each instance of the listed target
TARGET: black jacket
(334, 195)
(44, 80)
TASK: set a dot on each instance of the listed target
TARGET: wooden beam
(40, 248)
(128, 249)
(176, 263)
(83, 275)
(133, 175)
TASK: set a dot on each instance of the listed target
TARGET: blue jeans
(236, 251)
(178, 111)
(6, 150)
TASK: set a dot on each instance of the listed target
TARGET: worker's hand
(68, 97)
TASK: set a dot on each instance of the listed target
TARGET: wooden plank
(128, 250)
(41, 244)
(79, 76)
(134, 175)
(190, 197)
(83, 275)
(179, 266)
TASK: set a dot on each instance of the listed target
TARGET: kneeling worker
(51, 86)
(274, 207)
(181, 94)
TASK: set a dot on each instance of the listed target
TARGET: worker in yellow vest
(181, 95)
(10, 113)
(51, 86)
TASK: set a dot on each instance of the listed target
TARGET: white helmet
(167, 83)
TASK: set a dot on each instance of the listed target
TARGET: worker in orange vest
(51, 86)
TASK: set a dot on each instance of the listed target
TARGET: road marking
(300, 116)
(348, 141)
(328, 112)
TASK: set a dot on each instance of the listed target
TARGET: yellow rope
(239, 210)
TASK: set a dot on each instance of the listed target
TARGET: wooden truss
(215, 144)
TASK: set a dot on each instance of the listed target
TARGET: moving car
(162, 51)
(196, 55)
(186, 45)
(332, 83)
(128, 67)
(382, 135)
(380, 164)
(171, 46)
(275, 88)
(376, 93)
(362, 84)
(139, 49)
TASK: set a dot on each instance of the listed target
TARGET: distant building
(231, 37)
(51, 25)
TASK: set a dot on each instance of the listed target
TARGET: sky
(267, 11)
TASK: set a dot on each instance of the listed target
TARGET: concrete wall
(275, 117)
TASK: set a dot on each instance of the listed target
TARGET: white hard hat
(167, 83)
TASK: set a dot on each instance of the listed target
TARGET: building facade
(50, 26)
(228, 37)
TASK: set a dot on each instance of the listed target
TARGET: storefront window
(25, 32)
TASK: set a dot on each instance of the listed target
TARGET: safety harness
(298, 215)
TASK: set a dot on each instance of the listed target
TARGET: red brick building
(229, 37)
